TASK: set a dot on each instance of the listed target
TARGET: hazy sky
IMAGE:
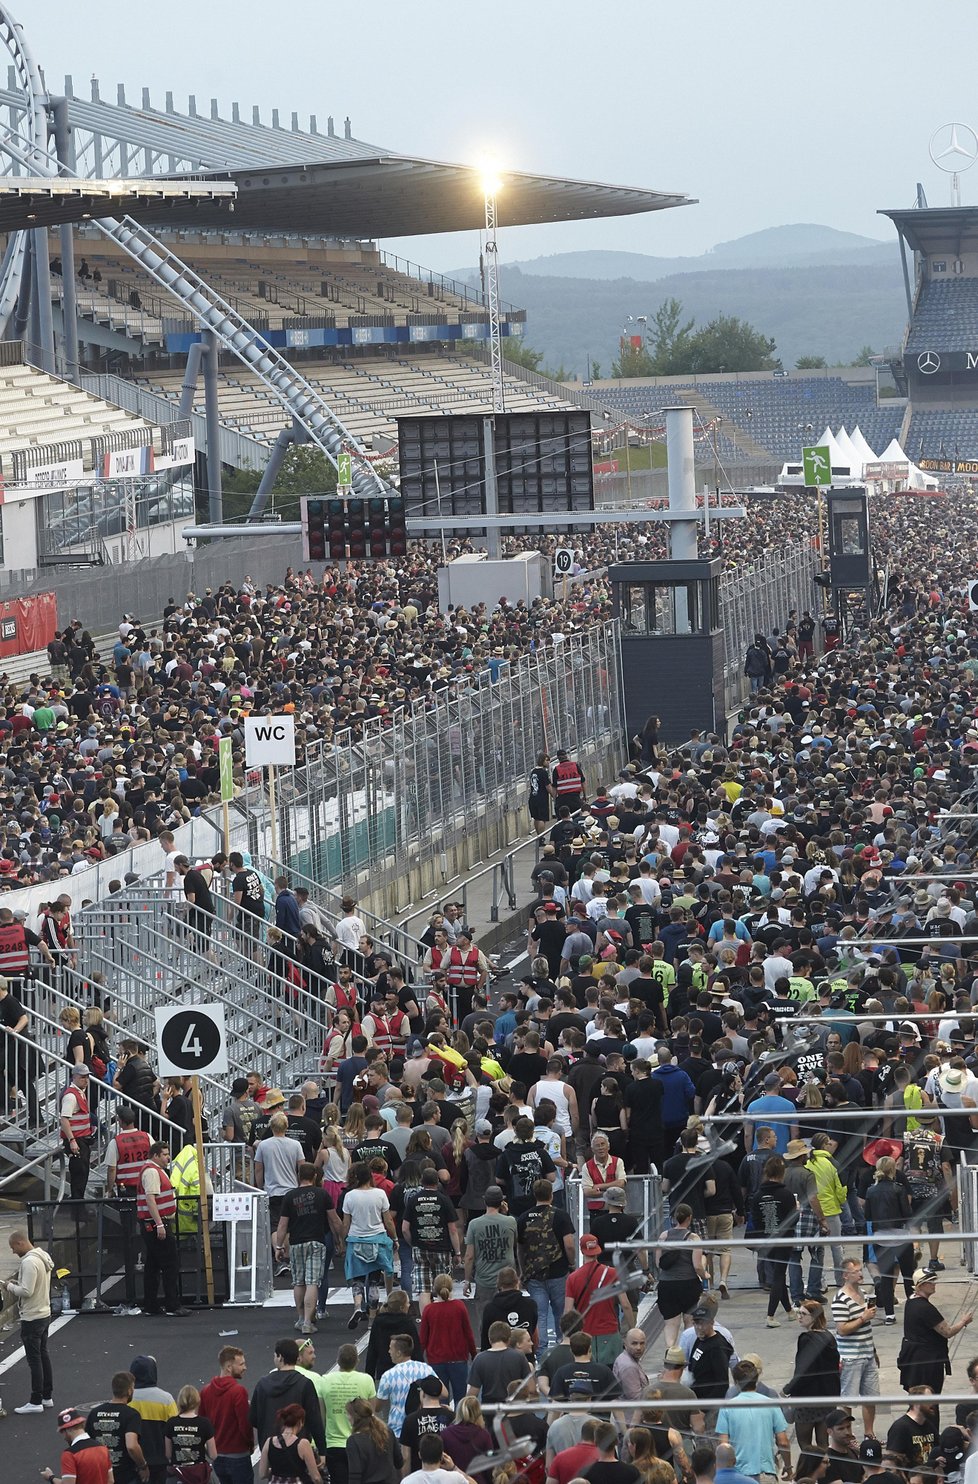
(766, 112)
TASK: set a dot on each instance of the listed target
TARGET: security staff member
(185, 1179)
(568, 783)
(76, 1131)
(16, 942)
(156, 1212)
(126, 1155)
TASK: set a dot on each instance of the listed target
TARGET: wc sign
(270, 741)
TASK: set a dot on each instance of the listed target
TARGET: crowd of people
(751, 970)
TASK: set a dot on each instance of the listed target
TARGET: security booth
(672, 644)
(850, 559)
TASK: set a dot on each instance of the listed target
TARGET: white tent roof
(838, 458)
(850, 455)
(861, 446)
(893, 453)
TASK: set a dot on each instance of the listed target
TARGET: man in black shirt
(583, 1377)
(606, 1469)
(842, 1457)
(520, 1165)
(200, 900)
(116, 1426)
(307, 1217)
(430, 1418)
(249, 896)
(643, 1113)
(709, 1358)
(509, 1305)
(914, 1434)
(431, 1226)
(687, 1177)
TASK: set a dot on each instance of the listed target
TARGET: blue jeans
(455, 1374)
(796, 1275)
(407, 1265)
(234, 1469)
(548, 1295)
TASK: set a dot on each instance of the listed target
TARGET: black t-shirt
(562, 1227)
(709, 1365)
(649, 991)
(611, 1473)
(428, 1212)
(519, 1166)
(686, 1184)
(913, 1440)
(643, 1099)
(417, 1424)
(248, 883)
(306, 1209)
(108, 1424)
(613, 1226)
(371, 1148)
(527, 1067)
(188, 1436)
(841, 1466)
(11, 1011)
(642, 920)
(920, 1321)
(195, 885)
(581, 1379)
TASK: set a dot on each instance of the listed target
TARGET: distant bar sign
(817, 465)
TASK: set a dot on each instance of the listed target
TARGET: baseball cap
(614, 1196)
(590, 1245)
(430, 1385)
(772, 1080)
(80, 1071)
(674, 1356)
(837, 1416)
(493, 1195)
(703, 1311)
(871, 1450)
(71, 1417)
(483, 1126)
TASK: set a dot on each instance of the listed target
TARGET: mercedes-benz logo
(954, 148)
(929, 362)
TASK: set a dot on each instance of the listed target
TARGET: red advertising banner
(27, 624)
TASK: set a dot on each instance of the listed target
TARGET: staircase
(707, 412)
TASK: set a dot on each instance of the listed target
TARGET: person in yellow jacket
(831, 1197)
(185, 1179)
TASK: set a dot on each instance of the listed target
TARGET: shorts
(929, 1211)
(720, 1228)
(249, 924)
(859, 1377)
(427, 1267)
(306, 1259)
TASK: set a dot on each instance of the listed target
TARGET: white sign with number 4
(190, 1039)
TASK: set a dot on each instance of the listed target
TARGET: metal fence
(757, 599)
(415, 784)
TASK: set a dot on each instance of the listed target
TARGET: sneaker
(321, 1314)
(47, 1402)
(724, 1291)
(308, 1329)
(356, 1318)
(889, 1319)
(29, 1407)
(298, 1326)
(935, 1265)
(177, 1313)
(773, 1323)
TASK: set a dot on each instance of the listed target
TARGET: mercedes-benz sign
(928, 362)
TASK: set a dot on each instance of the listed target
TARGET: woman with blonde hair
(887, 1208)
(189, 1439)
(373, 1454)
(354, 1126)
(333, 1162)
(468, 1435)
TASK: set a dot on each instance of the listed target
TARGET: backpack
(539, 1245)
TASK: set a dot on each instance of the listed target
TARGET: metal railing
(237, 449)
(756, 599)
(409, 786)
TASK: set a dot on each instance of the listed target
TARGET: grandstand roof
(937, 229)
(46, 202)
(399, 196)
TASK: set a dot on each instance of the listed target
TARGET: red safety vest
(80, 1121)
(437, 959)
(463, 971)
(15, 954)
(345, 996)
(390, 1035)
(132, 1147)
(166, 1201)
(567, 778)
(596, 1202)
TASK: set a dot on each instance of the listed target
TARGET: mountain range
(814, 290)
